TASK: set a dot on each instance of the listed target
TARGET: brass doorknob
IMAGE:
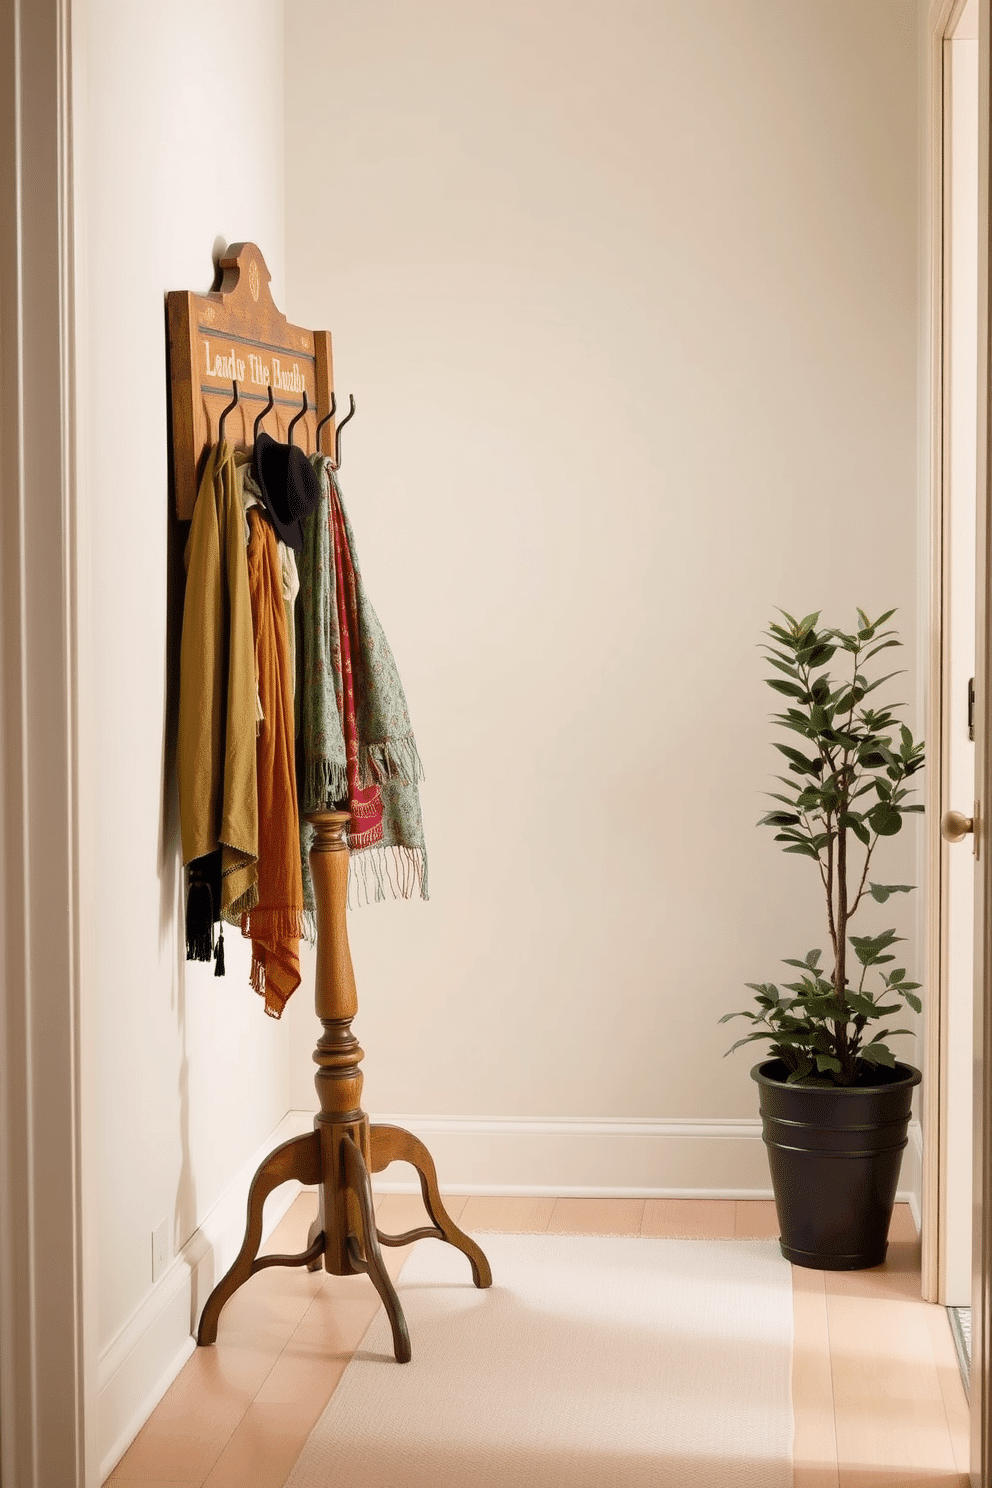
(954, 826)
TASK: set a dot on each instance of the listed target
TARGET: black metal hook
(267, 409)
(337, 433)
(294, 421)
(229, 409)
(327, 417)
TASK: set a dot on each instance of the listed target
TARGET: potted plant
(835, 1102)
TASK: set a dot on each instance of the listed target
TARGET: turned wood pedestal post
(343, 1149)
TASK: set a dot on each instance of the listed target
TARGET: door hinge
(971, 708)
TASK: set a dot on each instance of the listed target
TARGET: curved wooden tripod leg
(316, 1230)
(364, 1249)
(299, 1158)
(393, 1144)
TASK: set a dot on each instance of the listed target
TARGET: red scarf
(364, 802)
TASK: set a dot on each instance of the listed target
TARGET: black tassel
(199, 921)
(219, 953)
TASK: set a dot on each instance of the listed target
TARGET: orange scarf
(275, 924)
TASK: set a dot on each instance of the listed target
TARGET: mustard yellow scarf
(218, 801)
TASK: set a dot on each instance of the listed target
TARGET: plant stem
(861, 885)
(844, 910)
(840, 966)
(831, 921)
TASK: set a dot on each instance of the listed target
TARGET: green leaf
(883, 646)
(913, 1000)
(781, 663)
(882, 939)
(798, 725)
(803, 849)
(885, 820)
(799, 761)
(887, 678)
(749, 1040)
(788, 689)
(826, 1062)
(878, 1054)
(881, 892)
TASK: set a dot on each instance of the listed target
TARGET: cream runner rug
(593, 1362)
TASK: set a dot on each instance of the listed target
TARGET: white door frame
(981, 1395)
(46, 1347)
(936, 1181)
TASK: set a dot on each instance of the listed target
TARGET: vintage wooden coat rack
(236, 334)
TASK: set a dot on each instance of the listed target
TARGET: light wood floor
(877, 1394)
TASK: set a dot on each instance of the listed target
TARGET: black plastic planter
(834, 1154)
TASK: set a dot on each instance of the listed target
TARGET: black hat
(288, 483)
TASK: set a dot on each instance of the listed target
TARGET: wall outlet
(160, 1248)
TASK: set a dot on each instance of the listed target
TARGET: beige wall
(192, 1077)
(628, 299)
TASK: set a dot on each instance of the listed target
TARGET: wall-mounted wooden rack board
(235, 333)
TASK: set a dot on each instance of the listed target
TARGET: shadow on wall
(171, 878)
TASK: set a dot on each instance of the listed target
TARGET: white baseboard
(601, 1158)
(608, 1158)
(137, 1367)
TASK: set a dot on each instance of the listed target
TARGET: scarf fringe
(362, 841)
(241, 906)
(391, 759)
(273, 924)
(403, 870)
(257, 982)
(326, 782)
